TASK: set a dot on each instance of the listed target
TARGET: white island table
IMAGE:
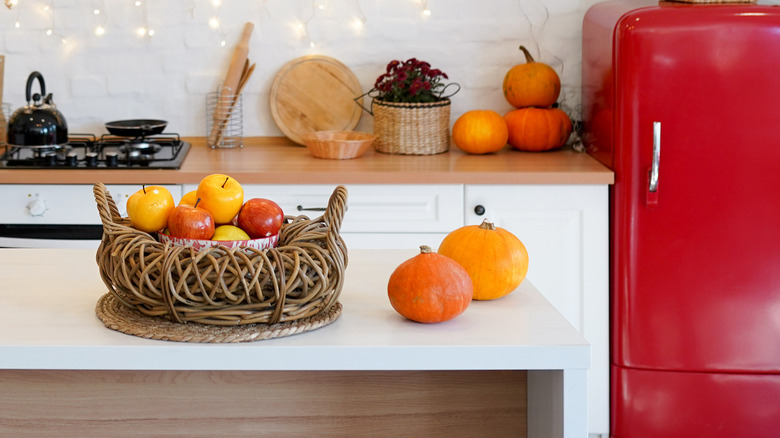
(502, 368)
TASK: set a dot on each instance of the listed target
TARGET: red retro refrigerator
(682, 101)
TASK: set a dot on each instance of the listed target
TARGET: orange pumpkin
(480, 132)
(531, 84)
(429, 288)
(495, 259)
(538, 129)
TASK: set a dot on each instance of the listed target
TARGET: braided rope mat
(122, 318)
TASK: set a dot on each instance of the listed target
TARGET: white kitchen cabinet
(565, 230)
(378, 216)
(62, 204)
(564, 227)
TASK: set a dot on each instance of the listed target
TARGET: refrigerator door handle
(656, 157)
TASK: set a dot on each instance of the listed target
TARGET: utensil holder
(224, 120)
(5, 115)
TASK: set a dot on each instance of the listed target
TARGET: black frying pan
(136, 128)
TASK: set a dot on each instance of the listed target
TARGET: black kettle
(39, 123)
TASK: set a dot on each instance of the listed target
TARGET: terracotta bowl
(197, 245)
(337, 145)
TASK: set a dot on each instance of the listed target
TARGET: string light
(216, 24)
(143, 30)
(100, 26)
(426, 11)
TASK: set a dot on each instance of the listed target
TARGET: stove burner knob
(71, 160)
(91, 159)
(111, 159)
(50, 159)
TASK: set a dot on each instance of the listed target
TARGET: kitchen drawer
(373, 208)
(61, 203)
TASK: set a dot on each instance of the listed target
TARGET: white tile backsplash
(120, 75)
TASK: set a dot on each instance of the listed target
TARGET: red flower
(412, 80)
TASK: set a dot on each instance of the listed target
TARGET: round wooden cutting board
(315, 93)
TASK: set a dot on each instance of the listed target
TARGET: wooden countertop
(276, 160)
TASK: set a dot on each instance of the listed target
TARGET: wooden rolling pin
(230, 85)
(3, 121)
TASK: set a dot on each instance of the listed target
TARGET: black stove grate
(85, 151)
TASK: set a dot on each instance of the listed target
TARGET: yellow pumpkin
(480, 132)
(495, 259)
(538, 129)
(531, 84)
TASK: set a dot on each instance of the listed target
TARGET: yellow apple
(229, 232)
(149, 208)
(190, 198)
(222, 196)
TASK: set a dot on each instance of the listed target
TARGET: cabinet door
(565, 229)
(378, 216)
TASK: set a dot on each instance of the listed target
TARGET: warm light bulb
(426, 12)
(312, 45)
(17, 25)
(150, 32)
(96, 11)
(49, 32)
(223, 43)
(137, 3)
(358, 24)
(100, 31)
(141, 31)
(216, 3)
(214, 23)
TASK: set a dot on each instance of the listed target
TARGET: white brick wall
(120, 75)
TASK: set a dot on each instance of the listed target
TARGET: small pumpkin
(429, 288)
(495, 259)
(538, 129)
(531, 84)
(480, 132)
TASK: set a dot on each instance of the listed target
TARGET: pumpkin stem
(528, 58)
(425, 249)
(487, 225)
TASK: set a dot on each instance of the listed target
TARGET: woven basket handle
(337, 206)
(107, 209)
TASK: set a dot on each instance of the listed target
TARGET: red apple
(260, 218)
(191, 222)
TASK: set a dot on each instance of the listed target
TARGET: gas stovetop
(164, 151)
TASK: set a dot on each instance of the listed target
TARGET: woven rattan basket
(300, 278)
(411, 128)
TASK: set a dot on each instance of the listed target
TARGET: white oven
(57, 215)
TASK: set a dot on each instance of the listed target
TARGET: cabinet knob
(479, 210)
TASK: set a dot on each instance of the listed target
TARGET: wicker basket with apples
(262, 267)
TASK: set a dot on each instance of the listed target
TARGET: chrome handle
(656, 156)
(302, 208)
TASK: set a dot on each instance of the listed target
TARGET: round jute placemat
(122, 318)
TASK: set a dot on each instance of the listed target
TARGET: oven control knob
(50, 158)
(91, 159)
(72, 160)
(37, 207)
(111, 159)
